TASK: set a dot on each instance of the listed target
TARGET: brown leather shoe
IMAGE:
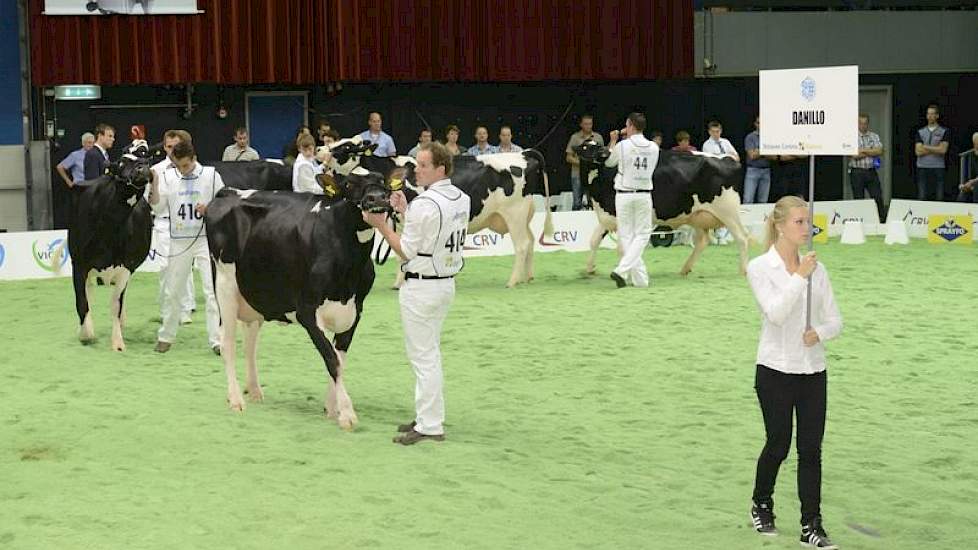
(406, 427)
(162, 347)
(412, 437)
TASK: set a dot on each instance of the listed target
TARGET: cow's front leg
(306, 315)
(329, 404)
(596, 236)
(346, 416)
(83, 287)
(226, 290)
(121, 280)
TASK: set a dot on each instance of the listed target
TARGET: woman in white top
(305, 168)
(791, 377)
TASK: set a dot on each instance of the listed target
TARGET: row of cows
(296, 257)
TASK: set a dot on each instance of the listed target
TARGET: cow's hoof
(348, 421)
(255, 395)
(236, 404)
(685, 272)
(119, 347)
(330, 415)
(590, 272)
(86, 341)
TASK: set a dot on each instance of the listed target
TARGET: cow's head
(133, 169)
(591, 151)
(344, 155)
(366, 190)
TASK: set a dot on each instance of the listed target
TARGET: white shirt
(723, 147)
(179, 195)
(635, 158)
(304, 176)
(781, 300)
(434, 230)
(234, 153)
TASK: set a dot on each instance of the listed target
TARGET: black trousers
(782, 395)
(867, 179)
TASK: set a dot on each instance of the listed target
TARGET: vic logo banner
(45, 252)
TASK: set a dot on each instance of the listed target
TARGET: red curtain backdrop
(296, 42)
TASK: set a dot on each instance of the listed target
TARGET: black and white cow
(279, 254)
(109, 236)
(262, 175)
(697, 189)
(499, 187)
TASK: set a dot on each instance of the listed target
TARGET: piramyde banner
(811, 111)
(917, 214)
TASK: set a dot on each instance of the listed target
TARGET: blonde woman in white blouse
(791, 376)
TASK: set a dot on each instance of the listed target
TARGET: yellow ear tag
(396, 184)
(329, 185)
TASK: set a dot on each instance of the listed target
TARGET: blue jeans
(757, 181)
(930, 182)
(576, 189)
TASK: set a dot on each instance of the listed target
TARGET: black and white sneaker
(762, 518)
(814, 536)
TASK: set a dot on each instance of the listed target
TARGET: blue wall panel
(11, 124)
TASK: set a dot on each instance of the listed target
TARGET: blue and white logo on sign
(950, 230)
(816, 230)
(3, 254)
(808, 88)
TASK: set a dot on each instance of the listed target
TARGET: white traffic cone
(896, 232)
(852, 232)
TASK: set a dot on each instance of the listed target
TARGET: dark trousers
(930, 184)
(867, 179)
(782, 395)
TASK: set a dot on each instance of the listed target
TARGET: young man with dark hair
(586, 132)
(240, 150)
(97, 158)
(184, 192)
(930, 146)
(430, 248)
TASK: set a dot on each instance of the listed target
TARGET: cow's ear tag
(330, 189)
(396, 184)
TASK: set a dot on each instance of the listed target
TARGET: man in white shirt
(636, 158)
(506, 144)
(305, 168)
(239, 150)
(431, 250)
(161, 230)
(385, 143)
(184, 192)
(717, 144)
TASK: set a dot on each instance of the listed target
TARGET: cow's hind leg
(121, 280)
(227, 302)
(702, 238)
(86, 331)
(530, 241)
(253, 387)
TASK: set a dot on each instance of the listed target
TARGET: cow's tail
(57, 256)
(548, 222)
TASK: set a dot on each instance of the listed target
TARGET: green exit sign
(77, 91)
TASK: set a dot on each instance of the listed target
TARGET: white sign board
(810, 111)
(915, 213)
(120, 7)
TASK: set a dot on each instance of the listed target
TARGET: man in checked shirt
(863, 175)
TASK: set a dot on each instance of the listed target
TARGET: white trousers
(424, 305)
(634, 213)
(161, 244)
(175, 289)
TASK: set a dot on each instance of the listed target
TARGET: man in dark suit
(97, 158)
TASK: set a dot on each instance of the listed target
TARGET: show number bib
(185, 221)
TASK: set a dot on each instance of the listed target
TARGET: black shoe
(412, 437)
(814, 536)
(762, 518)
(619, 281)
(402, 428)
